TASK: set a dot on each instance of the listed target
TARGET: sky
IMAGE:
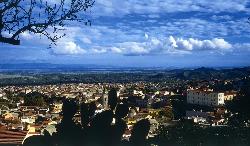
(148, 33)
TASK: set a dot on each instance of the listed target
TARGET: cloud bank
(171, 45)
(113, 7)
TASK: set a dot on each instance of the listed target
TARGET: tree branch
(11, 5)
(9, 41)
(39, 17)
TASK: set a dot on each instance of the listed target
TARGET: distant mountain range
(70, 67)
(46, 66)
(181, 72)
(36, 74)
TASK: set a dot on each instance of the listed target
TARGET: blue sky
(147, 33)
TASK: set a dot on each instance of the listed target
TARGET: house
(11, 136)
(32, 130)
(154, 125)
(3, 109)
(198, 116)
(229, 95)
(28, 119)
(206, 98)
(138, 92)
(10, 116)
(56, 107)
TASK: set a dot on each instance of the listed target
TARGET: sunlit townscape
(166, 99)
(124, 73)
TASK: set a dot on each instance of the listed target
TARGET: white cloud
(86, 40)
(130, 48)
(67, 48)
(99, 50)
(242, 48)
(135, 47)
(171, 45)
(146, 36)
(222, 17)
(103, 39)
(116, 50)
(153, 16)
(134, 41)
(26, 35)
(113, 7)
(192, 44)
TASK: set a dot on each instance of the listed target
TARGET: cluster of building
(143, 102)
(214, 113)
(32, 120)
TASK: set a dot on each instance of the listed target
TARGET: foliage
(179, 107)
(166, 112)
(112, 98)
(34, 99)
(187, 134)
(241, 103)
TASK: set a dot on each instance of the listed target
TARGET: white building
(139, 93)
(207, 98)
(28, 119)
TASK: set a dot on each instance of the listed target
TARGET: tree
(112, 98)
(44, 17)
(189, 134)
(240, 104)
(139, 133)
(166, 112)
(34, 99)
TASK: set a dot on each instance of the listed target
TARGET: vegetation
(166, 113)
(188, 134)
(34, 99)
(240, 105)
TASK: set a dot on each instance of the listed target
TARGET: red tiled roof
(11, 136)
(230, 93)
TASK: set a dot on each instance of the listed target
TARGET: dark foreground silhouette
(94, 130)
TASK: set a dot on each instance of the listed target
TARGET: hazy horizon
(47, 65)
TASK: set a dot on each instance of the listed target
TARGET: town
(124, 73)
(29, 110)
